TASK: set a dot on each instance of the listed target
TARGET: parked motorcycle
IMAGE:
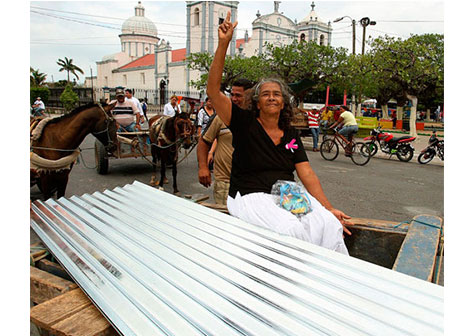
(436, 146)
(400, 146)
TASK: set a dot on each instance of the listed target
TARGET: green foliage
(68, 66)
(415, 64)
(42, 92)
(37, 78)
(69, 98)
(234, 67)
(305, 60)
(61, 83)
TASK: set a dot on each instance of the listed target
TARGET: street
(384, 189)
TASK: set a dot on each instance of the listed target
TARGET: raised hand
(226, 29)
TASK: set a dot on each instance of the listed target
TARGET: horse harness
(158, 136)
(109, 121)
(40, 164)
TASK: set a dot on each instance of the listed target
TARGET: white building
(275, 28)
(147, 62)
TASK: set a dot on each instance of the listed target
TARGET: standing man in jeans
(313, 124)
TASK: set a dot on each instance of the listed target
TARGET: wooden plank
(45, 286)
(71, 314)
(378, 224)
(87, 322)
(53, 268)
(50, 312)
(419, 250)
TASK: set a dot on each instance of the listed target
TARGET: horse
(55, 141)
(167, 134)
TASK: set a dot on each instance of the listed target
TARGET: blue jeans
(315, 131)
(347, 130)
(128, 128)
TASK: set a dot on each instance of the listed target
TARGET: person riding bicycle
(38, 108)
(350, 126)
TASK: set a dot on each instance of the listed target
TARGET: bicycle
(360, 152)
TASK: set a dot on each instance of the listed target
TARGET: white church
(147, 63)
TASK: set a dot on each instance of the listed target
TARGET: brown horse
(60, 137)
(167, 134)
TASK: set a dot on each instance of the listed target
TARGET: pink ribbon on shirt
(291, 145)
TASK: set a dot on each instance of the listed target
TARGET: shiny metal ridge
(157, 264)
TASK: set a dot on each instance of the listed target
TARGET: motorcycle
(400, 146)
(436, 146)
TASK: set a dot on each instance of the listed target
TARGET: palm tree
(67, 64)
(37, 78)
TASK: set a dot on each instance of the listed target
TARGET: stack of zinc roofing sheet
(157, 264)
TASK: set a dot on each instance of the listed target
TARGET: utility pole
(365, 22)
(92, 86)
(155, 98)
(353, 23)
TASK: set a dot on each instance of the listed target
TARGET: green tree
(415, 64)
(305, 60)
(36, 91)
(37, 78)
(234, 67)
(69, 98)
(68, 66)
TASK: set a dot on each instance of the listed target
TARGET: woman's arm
(336, 123)
(312, 183)
(221, 103)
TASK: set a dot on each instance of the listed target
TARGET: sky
(86, 31)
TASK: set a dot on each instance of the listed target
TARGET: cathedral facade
(147, 62)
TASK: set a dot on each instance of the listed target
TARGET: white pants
(319, 227)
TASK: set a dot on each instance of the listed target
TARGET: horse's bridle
(187, 131)
(109, 121)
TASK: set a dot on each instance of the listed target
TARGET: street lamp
(365, 22)
(353, 23)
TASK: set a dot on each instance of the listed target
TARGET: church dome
(139, 24)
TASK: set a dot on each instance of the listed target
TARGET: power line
(74, 20)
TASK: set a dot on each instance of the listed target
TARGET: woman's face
(270, 99)
(173, 101)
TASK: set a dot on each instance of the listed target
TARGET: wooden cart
(130, 144)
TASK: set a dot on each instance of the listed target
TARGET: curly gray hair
(286, 113)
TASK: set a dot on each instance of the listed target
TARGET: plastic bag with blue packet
(292, 197)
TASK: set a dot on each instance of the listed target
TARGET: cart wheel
(102, 162)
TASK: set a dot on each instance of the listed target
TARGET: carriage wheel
(102, 162)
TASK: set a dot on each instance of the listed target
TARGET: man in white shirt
(125, 113)
(129, 96)
(172, 108)
(38, 107)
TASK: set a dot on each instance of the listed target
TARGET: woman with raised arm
(266, 150)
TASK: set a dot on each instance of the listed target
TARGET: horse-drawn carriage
(54, 144)
(129, 144)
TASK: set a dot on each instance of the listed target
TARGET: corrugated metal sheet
(157, 264)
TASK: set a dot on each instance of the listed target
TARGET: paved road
(383, 189)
